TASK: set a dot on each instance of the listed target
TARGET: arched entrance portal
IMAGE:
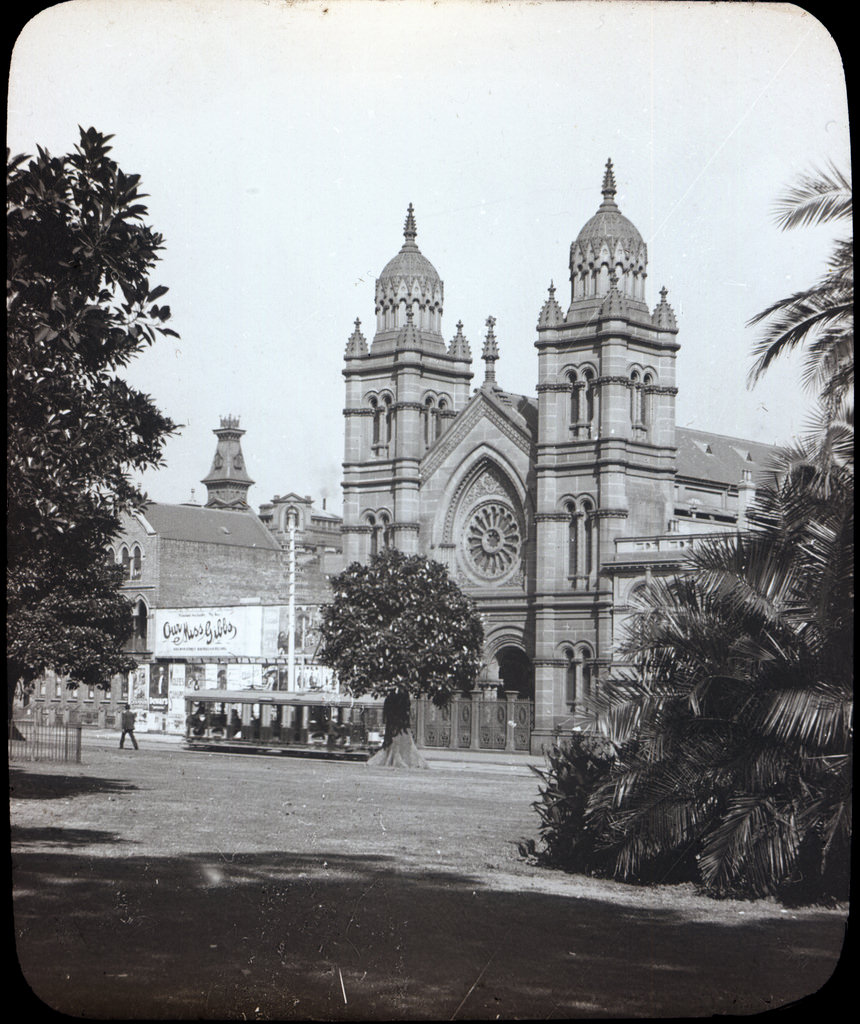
(516, 672)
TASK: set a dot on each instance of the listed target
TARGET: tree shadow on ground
(24, 785)
(328, 936)
(62, 836)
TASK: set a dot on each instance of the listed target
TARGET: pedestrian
(127, 722)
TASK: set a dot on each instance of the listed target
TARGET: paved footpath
(174, 884)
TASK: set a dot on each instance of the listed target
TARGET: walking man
(128, 727)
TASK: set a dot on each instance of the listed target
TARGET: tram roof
(318, 698)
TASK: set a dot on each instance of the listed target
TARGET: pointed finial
(408, 338)
(357, 344)
(663, 315)
(614, 304)
(551, 314)
(459, 347)
(609, 182)
(490, 353)
(409, 228)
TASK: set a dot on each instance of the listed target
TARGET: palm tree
(733, 723)
(819, 319)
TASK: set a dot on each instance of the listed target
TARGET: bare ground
(170, 884)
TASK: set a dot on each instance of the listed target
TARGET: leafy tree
(80, 307)
(400, 627)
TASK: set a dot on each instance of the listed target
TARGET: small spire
(550, 314)
(459, 347)
(490, 353)
(614, 304)
(408, 336)
(609, 182)
(663, 315)
(409, 228)
(357, 343)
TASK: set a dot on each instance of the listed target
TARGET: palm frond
(754, 839)
(819, 717)
(816, 198)
(792, 325)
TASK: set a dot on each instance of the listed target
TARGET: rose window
(492, 540)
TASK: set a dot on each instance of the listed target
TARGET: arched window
(574, 398)
(443, 405)
(645, 411)
(125, 560)
(388, 414)
(587, 539)
(572, 540)
(582, 393)
(579, 674)
(634, 397)
(588, 377)
(374, 535)
(581, 543)
(377, 420)
(139, 626)
(570, 680)
(135, 563)
(427, 415)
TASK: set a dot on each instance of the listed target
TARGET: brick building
(551, 510)
(209, 594)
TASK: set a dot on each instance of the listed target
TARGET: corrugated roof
(209, 526)
(721, 459)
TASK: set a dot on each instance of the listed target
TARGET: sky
(281, 143)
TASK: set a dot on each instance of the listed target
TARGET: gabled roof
(720, 459)
(514, 415)
(208, 525)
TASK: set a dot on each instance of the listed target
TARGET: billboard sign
(232, 632)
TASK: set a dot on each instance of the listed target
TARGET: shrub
(575, 768)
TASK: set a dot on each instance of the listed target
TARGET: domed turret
(409, 281)
(608, 244)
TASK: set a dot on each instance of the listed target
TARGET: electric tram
(322, 723)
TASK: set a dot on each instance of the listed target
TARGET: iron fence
(32, 740)
(472, 722)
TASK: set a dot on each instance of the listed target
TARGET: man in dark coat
(127, 722)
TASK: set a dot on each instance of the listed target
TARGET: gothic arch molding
(470, 469)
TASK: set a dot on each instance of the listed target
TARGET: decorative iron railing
(33, 740)
(471, 722)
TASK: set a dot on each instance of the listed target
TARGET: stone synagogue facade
(550, 510)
